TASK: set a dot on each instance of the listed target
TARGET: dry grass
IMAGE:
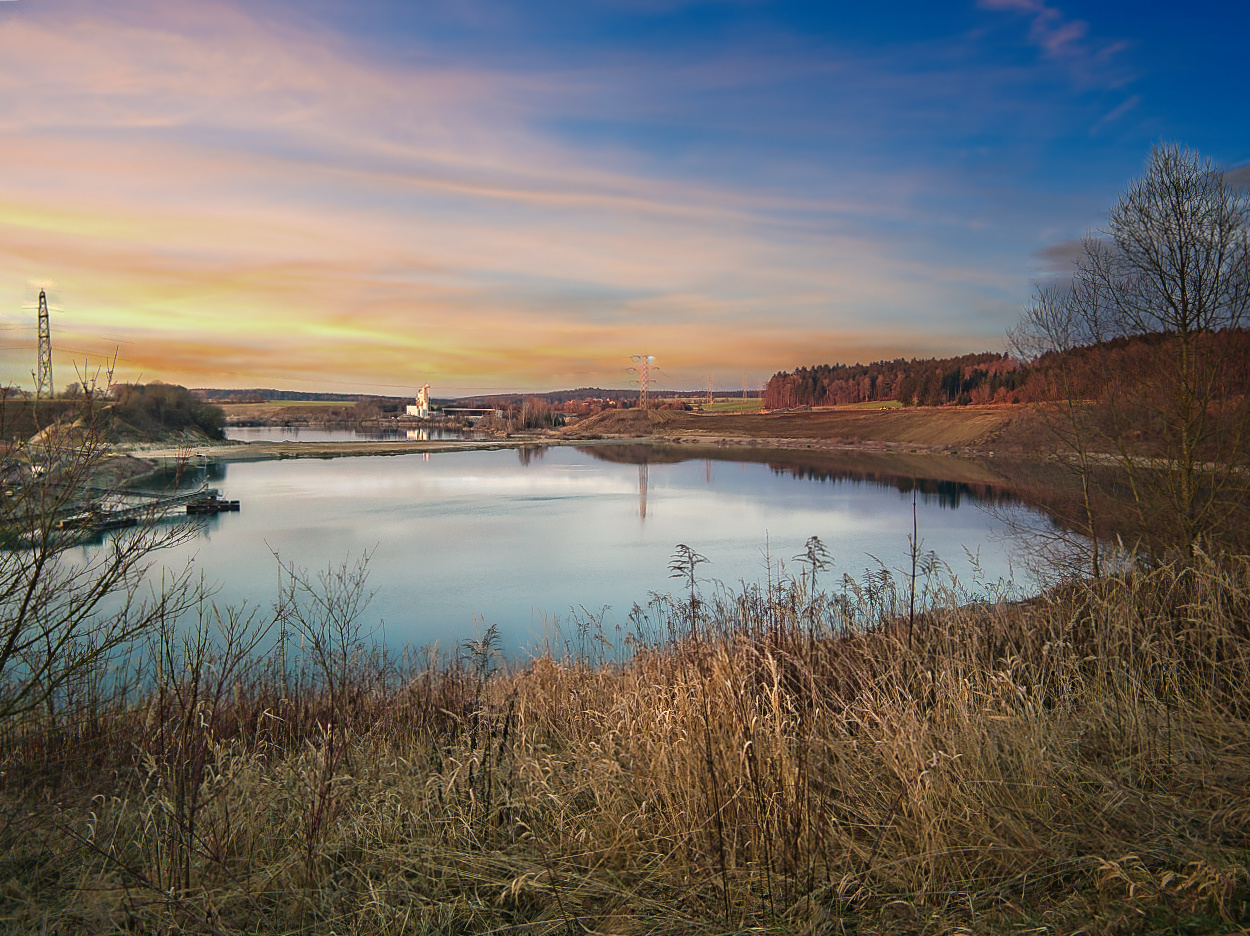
(919, 427)
(732, 405)
(778, 762)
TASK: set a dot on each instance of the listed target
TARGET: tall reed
(770, 759)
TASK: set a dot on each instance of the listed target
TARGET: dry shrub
(1074, 762)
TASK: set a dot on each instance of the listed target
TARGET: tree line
(1103, 368)
(971, 378)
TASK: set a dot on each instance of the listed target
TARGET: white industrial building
(422, 408)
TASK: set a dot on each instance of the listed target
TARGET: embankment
(972, 428)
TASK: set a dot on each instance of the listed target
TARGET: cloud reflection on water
(468, 535)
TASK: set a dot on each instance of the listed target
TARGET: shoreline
(274, 451)
(881, 458)
(977, 445)
(237, 451)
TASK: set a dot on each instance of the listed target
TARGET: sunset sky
(367, 196)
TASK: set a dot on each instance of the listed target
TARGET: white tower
(422, 409)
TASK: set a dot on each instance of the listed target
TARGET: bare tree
(1055, 330)
(1161, 296)
(1175, 269)
(65, 610)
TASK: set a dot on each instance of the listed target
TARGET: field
(731, 405)
(919, 427)
(280, 411)
(875, 405)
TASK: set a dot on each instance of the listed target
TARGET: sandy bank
(264, 451)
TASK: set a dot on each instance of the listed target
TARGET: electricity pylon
(43, 382)
(643, 369)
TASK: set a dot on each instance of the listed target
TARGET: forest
(971, 378)
(1093, 371)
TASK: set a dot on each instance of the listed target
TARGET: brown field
(280, 410)
(975, 427)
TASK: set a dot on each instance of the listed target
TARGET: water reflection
(181, 475)
(529, 453)
(353, 434)
(879, 470)
(518, 539)
(948, 494)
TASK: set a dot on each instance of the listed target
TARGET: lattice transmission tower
(642, 366)
(43, 381)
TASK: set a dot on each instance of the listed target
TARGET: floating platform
(204, 501)
(96, 520)
(211, 505)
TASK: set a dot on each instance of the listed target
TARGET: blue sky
(372, 195)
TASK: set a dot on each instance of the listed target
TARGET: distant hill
(262, 395)
(627, 396)
(489, 401)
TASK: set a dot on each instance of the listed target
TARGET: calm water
(298, 434)
(513, 538)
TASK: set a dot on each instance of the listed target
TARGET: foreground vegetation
(121, 413)
(775, 760)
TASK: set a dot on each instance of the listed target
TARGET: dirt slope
(921, 427)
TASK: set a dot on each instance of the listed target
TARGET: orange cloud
(228, 201)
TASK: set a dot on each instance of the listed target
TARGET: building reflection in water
(529, 453)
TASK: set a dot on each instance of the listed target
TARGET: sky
(369, 195)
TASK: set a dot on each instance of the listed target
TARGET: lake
(517, 538)
(304, 434)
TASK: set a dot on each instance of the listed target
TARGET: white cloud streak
(202, 180)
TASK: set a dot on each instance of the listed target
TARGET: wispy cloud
(234, 193)
(1050, 30)
(1067, 40)
(1238, 176)
(1117, 112)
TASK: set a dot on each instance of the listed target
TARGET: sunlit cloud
(237, 194)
